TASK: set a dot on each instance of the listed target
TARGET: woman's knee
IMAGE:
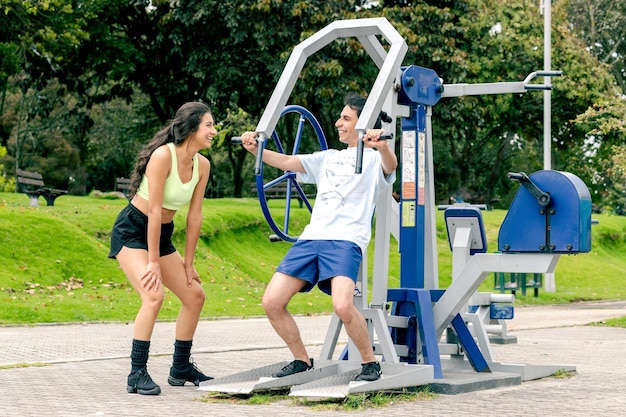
(153, 300)
(199, 296)
(195, 297)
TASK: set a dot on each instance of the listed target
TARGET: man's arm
(389, 161)
(275, 159)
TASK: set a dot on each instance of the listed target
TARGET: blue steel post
(412, 198)
(421, 89)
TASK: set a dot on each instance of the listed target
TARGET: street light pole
(545, 8)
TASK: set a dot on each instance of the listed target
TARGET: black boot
(191, 373)
(140, 382)
(183, 369)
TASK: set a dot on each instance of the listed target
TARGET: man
(329, 250)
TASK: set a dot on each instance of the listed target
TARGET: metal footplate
(394, 376)
(529, 372)
(259, 379)
(329, 379)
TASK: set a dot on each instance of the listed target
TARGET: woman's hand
(192, 275)
(151, 279)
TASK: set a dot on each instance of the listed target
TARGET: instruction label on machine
(408, 214)
(408, 165)
(421, 167)
(409, 178)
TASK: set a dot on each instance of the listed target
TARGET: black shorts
(131, 230)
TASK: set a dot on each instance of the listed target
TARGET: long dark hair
(186, 122)
(357, 102)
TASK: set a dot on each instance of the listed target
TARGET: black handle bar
(236, 140)
(359, 152)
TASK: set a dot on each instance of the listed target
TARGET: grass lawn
(55, 266)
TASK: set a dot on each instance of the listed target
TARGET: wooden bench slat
(30, 181)
(123, 185)
(280, 191)
(28, 174)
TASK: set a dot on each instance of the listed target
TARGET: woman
(168, 173)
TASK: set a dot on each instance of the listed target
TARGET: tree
(118, 58)
(6, 184)
(477, 140)
(601, 27)
(36, 37)
(604, 128)
(601, 24)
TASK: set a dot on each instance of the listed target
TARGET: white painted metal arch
(366, 31)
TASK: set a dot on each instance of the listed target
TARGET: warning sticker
(409, 173)
(421, 167)
(408, 214)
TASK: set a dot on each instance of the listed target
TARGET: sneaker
(140, 382)
(191, 373)
(294, 367)
(369, 372)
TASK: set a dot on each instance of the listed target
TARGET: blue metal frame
(416, 304)
(563, 226)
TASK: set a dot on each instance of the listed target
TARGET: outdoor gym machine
(409, 335)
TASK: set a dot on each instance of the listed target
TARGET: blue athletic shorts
(316, 261)
(131, 230)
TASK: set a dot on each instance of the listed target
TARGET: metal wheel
(288, 178)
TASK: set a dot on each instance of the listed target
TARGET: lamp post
(545, 8)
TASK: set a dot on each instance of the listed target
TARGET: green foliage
(55, 265)
(616, 322)
(41, 140)
(604, 127)
(382, 399)
(256, 398)
(562, 374)
(83, 87)
(235, 166)
(601, 24)
(352, 402)
(119, 132)
(6, 185)
(24, 365)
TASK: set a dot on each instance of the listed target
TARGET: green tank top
(176, 193)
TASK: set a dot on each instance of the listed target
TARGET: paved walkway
(80, 370)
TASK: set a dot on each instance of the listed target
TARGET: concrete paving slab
(81, 369)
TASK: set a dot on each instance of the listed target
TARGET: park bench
(512, 281)
(122, 185)
(279, 191)
(31, 184)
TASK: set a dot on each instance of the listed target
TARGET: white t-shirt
(345, 201)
